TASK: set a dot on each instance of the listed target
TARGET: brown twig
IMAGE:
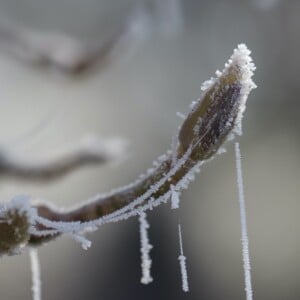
(93, 152)
(213, 119)
(65, 53)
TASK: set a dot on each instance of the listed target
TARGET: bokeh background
(136, 96)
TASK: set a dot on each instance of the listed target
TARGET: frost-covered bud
(16, 218)
(218, 114)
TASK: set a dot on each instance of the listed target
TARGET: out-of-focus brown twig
(212, 120)
(88, 153)
(69, 54)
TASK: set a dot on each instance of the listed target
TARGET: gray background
(138, 98)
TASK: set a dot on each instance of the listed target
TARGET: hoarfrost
(145, 249)
(20, 204)
(182, 262)
(73, 229)
(85, 243)
(242, 63)
(243, 219)
(174, 198)
(36, 275)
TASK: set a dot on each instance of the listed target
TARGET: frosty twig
(211, 121)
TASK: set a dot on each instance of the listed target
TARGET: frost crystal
(245, 241)
(85, 243)
(73, 229)
(36, 275)
(145, 249)
(181, 115)
(182, 259)
(174, 198)
(16, 220)
(242, 60)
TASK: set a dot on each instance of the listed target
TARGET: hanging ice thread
(36, 275)
(243, 219)
(174, 198)
(145, 249)
(182, 259)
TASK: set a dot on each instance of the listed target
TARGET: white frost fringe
(182, 259)
(174, 198)
(242, 62)
(145, 249)
(244, 239)
(36, 275)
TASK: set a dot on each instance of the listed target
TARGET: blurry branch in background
(90, 152)
(212, 120)
(69, 54)
(73, 56)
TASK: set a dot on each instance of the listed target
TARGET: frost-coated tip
(217, 115)
(242, 62)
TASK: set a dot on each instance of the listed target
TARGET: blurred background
(160, 53)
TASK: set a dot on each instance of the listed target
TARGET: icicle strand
(243, 219)
(182, 259)
(174, 198)
(36, 275)
(145, 249)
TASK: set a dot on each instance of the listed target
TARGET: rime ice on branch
(16, 220)
(211, 121)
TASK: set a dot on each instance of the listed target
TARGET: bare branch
(88, 153)
(213, 119)
(68, 54)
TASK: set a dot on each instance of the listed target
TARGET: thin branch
(212, 120)
(92, 152)
(69, 54)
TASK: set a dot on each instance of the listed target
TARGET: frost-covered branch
(212, 120)
(89, 152)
